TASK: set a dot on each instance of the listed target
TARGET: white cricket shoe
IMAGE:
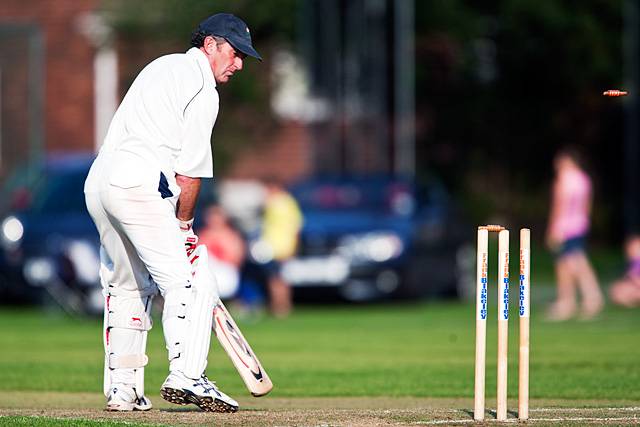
(143, 404)
(124, 398)
(182, 390)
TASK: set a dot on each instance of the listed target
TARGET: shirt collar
(202, 61)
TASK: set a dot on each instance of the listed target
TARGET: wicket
(503, 321)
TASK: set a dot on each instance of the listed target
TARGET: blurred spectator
(226, 249)
(566, 236)
(626, 291)
(281, 226)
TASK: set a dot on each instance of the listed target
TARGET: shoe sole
(206, 403)
(142, 407)
(125, 408)
(115, 407)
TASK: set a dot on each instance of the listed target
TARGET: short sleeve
(195, 159)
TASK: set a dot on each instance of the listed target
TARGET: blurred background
(398, 126)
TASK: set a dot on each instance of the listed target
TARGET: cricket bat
(240, 353)
(230, 337)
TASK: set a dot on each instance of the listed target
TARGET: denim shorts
(273, 268)
(572, 245)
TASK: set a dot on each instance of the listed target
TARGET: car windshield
(389, 197)
(58, 191)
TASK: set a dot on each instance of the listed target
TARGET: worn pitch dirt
(361, 411)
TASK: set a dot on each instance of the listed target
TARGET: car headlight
(39, 271)
(12, 231)
(368, 247)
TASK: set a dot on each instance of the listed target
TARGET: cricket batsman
(141, 192)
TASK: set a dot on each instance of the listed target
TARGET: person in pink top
(566, 235)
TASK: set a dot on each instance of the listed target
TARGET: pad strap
(128, 361)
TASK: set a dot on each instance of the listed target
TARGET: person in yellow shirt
(281, 226)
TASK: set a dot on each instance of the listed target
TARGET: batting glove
(190, 238)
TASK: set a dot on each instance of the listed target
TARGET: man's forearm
(189, 189)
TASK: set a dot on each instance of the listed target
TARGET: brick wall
(285, 156)
(68, 97)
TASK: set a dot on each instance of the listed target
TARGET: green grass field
(421, 350)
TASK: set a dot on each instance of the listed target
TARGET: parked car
(49, 243)
(374, 237)
(49, 246)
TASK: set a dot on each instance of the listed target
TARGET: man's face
(224, 59)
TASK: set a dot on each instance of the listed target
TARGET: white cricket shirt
(164, 121)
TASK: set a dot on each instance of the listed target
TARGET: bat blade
(240, 353)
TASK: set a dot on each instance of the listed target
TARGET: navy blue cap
(232, 29)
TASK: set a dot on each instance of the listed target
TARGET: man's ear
(210, 45)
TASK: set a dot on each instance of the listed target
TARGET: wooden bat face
(241, 354)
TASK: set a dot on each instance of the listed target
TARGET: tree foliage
(172, 19)
(503, 84)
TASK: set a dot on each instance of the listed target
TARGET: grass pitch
(343, 365)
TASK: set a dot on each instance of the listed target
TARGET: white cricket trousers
(141, 236)
(142, 252)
